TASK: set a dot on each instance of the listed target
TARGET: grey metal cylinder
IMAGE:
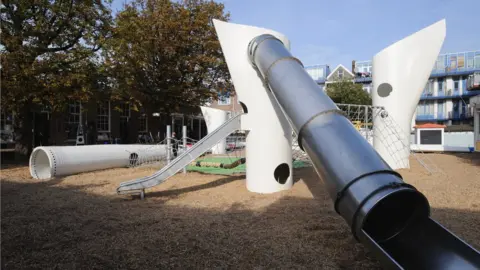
(363, 187)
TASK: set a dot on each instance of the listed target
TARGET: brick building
(114, 122)
(228, 102)
(104, 122)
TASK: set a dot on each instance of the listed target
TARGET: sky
(338, 31)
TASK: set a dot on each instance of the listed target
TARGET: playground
(247, 195)
(198, 220)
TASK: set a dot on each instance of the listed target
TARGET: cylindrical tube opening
(394, 212)
(40, 166)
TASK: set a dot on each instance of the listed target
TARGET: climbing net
(362, 117)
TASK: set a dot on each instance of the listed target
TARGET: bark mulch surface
(199, 221)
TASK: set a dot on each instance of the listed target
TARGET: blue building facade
(445, 99)
(319, 73)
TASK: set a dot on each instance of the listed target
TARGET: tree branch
(66, 47)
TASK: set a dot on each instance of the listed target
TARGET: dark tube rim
(341, 193)
(400, 188)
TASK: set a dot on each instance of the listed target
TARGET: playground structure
(385, 214)
(400, 72)
(52, 161)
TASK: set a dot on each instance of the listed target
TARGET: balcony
(426, 94)
(442, 116)
(425, 117)
(448, 94)
(363, 79)
(449, 64)
(453, 72)
(456, 64)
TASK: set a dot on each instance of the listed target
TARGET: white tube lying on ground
(50, 161)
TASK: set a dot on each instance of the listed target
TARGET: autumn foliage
(160, 54)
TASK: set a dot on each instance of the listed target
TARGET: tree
(165, 55)
(49, 56)
(347, 92)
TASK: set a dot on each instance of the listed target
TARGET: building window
(441, 109)
(340, 73)
(426, 108)
(143, 123)
(441, 62)
(477, 60)
(429, 88)
(316, 73)
(125, 110)
(470, 57)
(74, 114)
(456, 84)
(461, 61)
(103, 116)
(440, 85)
(223, 100)
(453, 61)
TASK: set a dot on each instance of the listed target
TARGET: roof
(430, 125)
(333, 72)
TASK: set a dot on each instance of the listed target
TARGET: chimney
(353, 66)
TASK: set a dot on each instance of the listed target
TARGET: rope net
(233, 161)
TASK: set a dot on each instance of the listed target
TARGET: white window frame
(101, 117)
(341, 73)
(476, 61)
(70, 114)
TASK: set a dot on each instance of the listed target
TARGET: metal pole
(169, 143)
(365, 190)
(184, 131)
(366, 117)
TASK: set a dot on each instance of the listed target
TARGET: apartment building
(445, 99)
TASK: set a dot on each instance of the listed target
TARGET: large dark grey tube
(368, 194)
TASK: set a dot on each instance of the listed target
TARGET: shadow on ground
(180, 191)
(45, 226)
(472, 158)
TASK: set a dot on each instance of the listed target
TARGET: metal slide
(387, 215)
(139, 185)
